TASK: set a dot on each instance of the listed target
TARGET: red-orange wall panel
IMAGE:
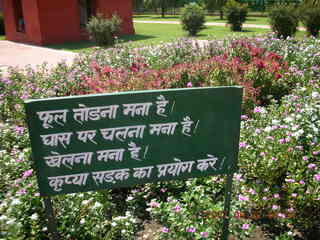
(59, 21)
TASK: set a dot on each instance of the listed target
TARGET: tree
(155, 4)
(212, 5)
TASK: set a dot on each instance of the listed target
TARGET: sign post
(93, 142)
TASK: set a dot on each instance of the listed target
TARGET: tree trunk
(221, 14)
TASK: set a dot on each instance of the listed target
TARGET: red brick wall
(123, 8)
(32, 28)
(58, 21)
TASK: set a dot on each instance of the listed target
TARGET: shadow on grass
(85, 45)
(73, 46)
(135, 37)
(156, 17)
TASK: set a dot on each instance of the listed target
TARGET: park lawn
(152, 34)
(250, 20)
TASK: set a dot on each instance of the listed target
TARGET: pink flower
(165, 230)
(294, 194)
(242, 144)
(252, 191)
(204, 234)
(275, 207)
(305, 158)
(189, 84)
(177, 208)
(276, 195)
(282, 141)
(22, 191)
(245, 226)
(262, 154)
(154, 204)
(191, 229)
(290, 180)
(243, 198)
(317, 177)
(311, 166)
(27, 173)
(281, 215)
(244, 117)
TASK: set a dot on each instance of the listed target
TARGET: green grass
(2, 37)
(250, 20)
(73, 46)
(152, 34)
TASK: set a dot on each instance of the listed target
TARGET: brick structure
(57, 21)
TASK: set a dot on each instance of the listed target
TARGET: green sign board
(93, 142)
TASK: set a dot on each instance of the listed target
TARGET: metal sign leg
(227, 201)
(52, 225)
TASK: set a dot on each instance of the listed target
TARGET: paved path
(18, 54)
(212, 24)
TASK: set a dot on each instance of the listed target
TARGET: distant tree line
(164, 7)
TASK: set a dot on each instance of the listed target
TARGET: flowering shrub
(280, 153)
(278, 180)
(258, 70)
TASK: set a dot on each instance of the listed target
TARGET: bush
(236, 14)
(192, 18)
(102, 30)
(283, 20)
(310, 17)
(1, 24)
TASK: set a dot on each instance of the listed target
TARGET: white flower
(15, 201)
(315, 94)
(34, 216)
(288, 119)
(113, 224)
(97, 205)
(11, 221)
(3, 218)
(82, 221)
(275, 122)
(129, 198)
(268, 129)
(85, 202)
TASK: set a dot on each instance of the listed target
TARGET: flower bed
(278, 182)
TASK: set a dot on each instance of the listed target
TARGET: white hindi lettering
(143, 172)
(53, 140)
(174, 169)
(84, 113)
(161, 106)
(204, 164)
(134, 151)
(186, 126)
(84, 136)
(50, 117)
(137, 109)
(110, 176)
(163, 128)
(57, 182)
(68, 160)
(122, 133)
(111, 154)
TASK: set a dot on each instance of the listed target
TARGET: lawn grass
(152, 34)
(153, 17)
(2, 37)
